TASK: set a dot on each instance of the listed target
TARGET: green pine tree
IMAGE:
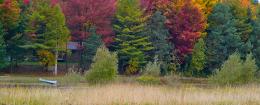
(222, 39)
(255, 40)
(132, 43)
(2, 48)
(47, 29)
(158, 36)
(11, 18)
(91, 44)
(198, 59)
(15, 49)
(243, 17)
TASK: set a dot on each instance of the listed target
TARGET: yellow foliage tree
(46, 58)
(205, 5)
(242, 6)
(249, 4)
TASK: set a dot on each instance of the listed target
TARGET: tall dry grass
(131, 94)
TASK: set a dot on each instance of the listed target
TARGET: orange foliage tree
(186, 24)
(205, 5)
(9, 11)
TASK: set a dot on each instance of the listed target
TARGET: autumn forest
(155, 42)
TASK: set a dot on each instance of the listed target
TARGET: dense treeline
(194, 37)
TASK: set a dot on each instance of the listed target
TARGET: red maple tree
(152, 5)
(80, 14)
(26, 2)
(186, 25)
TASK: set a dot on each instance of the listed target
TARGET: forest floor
(27, 90)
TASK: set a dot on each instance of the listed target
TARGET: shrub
(132, 67)
(104, 67)
(146, 79)
(152, 68)
(46, 58)
(72, 77)
(235, 71)
(151, 73)
(249, 69)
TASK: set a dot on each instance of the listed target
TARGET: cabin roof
(73, 45)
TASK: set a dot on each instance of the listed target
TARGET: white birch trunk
(56, 63)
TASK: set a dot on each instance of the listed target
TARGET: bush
(150, 80)
(235, 71)
(104, 67)
(249, 69)
(47, 59)
(151, 73)
(152, 69)
(132, 67)
(72, 77)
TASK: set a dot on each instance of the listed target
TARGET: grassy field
(27, 90)
(131, 94)
(75, 79)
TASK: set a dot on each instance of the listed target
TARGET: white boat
(48, 81)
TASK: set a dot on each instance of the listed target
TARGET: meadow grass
(70, 79)
(131, 94)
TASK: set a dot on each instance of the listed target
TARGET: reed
(131, 94)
